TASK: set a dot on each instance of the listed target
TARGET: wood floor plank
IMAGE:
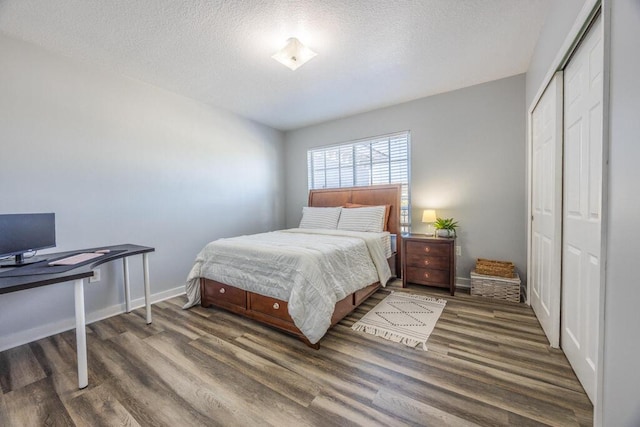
(65, 383)
(429, 392)
(511, 382)
(4, 413)
(488, 364)
(178, 302)
(549, 356)
(361, 369)
(241, 394)
(18, 368)
(417, 412)
(499, 323)
(520, 421)
(352, 354)
(488, 335)
(130, 323)
(517, 317)
(279, 379)
(344, 410)
(53, 354)
(213, 324)
(185, 386)
(530, 369)
(166, 321)
(316, 369)
(100, 408)
(441, 368)
(36, 404)
(105, 329)
(147, 396)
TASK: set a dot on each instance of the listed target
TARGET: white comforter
(311, 269)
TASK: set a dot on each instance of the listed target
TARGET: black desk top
(38, 275)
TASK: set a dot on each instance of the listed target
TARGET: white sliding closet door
(546, 203)
(582, 200)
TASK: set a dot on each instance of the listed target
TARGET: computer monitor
(23, 233)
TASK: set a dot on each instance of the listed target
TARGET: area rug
(404, 318)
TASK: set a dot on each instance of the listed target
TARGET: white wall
(558, 22)
(621, 406)
(468, 162)
(120, 161)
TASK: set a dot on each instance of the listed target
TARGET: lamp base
(430, 230)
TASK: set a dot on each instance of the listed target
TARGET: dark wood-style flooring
(488, 364)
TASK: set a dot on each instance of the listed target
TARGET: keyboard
(76, 259)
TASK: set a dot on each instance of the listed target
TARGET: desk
(37, 276)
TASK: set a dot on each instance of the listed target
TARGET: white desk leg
(147, 291)
(81, 334)
(127, 291)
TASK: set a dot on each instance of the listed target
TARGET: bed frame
(274, 312)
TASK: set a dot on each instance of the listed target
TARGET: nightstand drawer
(427, 248)
(425, 276)
(427, 261)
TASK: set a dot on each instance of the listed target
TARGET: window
(379, 160)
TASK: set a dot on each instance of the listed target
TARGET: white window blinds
(379, 160)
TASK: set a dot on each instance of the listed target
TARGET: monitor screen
(20, 233)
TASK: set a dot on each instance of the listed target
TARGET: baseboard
(34, 334)
(463, 283)
(160, 296)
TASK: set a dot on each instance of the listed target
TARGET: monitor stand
(20, 261)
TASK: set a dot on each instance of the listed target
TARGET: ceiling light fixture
(294, 54)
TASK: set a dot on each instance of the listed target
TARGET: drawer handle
(426, 275)
(276, 306)
(427, 249)
(222, 291)
(426, 262)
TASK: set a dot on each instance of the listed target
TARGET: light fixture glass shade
(294, 54)
(429, 215)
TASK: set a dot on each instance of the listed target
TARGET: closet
(567, 163)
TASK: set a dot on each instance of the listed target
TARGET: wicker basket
(495, 268)
(507, 289)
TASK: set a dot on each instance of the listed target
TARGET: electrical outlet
(96, 276)
(459, 250)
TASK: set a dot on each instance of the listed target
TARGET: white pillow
(362, 219)
(320, 217)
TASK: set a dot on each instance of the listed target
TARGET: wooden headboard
(388, 194)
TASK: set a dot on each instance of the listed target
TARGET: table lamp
(429, 217)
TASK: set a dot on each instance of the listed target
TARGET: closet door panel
(582, 236)
(547, 209)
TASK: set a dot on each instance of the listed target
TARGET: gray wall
(467, 162)
(120, 161)
(622, 301)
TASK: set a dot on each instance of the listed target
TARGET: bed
(268, 301)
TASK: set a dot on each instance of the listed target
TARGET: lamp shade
(429, 215)
(294, 54)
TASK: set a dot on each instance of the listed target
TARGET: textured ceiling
(371, 53)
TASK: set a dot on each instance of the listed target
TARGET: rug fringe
(422, 297)
(372, 330)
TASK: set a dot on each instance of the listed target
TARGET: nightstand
(429, 261)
